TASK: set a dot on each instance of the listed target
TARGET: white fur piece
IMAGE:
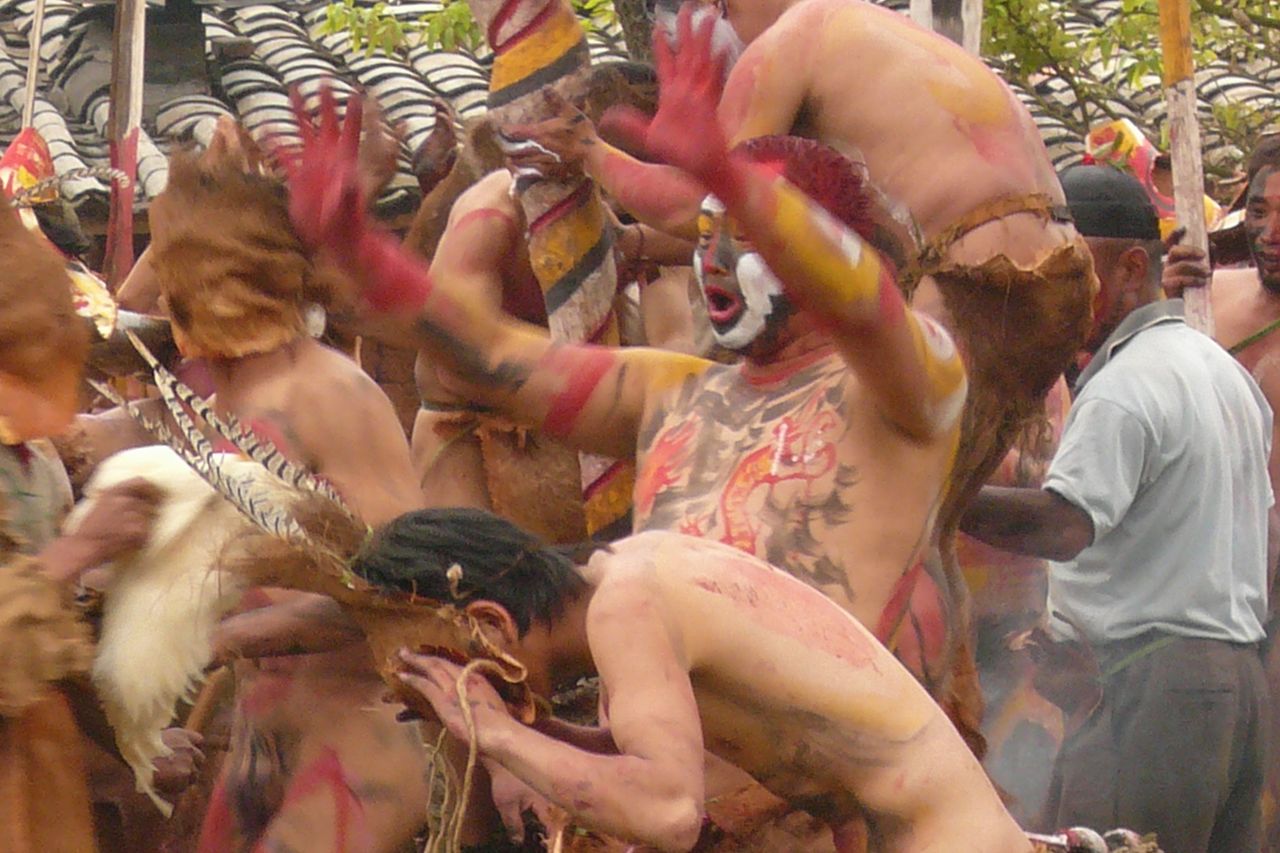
(163, 603)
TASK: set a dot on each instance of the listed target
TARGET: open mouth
(723, 307)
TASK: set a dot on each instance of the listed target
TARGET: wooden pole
(1184, 133)
(35, 40)
(123, 123)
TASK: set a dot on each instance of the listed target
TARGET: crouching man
(698, 646)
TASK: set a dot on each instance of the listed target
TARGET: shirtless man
(965, 197)
(844, 393)
(463, 457)
(698, 646)
(315, 763)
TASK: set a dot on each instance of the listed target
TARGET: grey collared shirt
(1166, 449)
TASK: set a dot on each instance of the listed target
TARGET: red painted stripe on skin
(483, 213)
(582, 369)
(326, 773)
(564, 206)
(505, 13)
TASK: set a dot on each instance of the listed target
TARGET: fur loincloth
(1019, 328)
(42, 638)
(531, 480)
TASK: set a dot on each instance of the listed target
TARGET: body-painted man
(826, 451)
(316, 763)
(965, 198)
(698, 646)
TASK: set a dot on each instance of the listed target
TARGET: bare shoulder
(493, 191)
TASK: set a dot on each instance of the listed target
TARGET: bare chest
(768, 470)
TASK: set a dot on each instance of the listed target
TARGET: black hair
(1265, 155)
(500, 562)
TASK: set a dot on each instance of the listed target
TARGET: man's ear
(495, 621)
(1136, 264)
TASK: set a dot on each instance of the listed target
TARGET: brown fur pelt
(530, 479)
(39, 332)
(234, 273)
(42, 638)
(997, 306)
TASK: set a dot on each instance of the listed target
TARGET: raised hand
(326, 196)
(1184, 266)
(436, 157)
(686, 131)
(552, 148)
(436, 680)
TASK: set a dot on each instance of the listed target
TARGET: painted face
(745, 301)
(1262, 225)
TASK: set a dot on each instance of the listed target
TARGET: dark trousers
(1175, 748)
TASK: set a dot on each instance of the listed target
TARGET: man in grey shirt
(1156, 507)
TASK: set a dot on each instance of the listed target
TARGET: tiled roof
(288, 50)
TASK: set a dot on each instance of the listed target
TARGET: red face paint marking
(582, 368)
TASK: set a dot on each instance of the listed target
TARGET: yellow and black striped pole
(536, 44)
(1184, 134)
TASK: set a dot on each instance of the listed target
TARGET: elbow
(677, 826)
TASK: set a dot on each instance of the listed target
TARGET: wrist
(395, 283)
(67, 557)
(495, 731)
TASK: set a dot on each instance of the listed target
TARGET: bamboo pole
(124, 123)
(1184, 133)
(36, 40)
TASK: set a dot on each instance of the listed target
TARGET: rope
(28, 196)
(444, 834)
(1255, 337)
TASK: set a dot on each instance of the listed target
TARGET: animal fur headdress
(236, 277)
(43, 344)
(299, 535)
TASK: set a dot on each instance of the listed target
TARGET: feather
(177, 393)
(263, 507)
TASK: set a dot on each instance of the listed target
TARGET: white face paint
(741, 296)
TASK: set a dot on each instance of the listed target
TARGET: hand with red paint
(686, 131)
(327, 198)
(326, 193)
(556, 147)
(436, 679)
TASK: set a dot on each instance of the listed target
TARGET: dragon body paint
(538, 44)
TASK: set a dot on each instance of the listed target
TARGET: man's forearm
(662, 197)
(303, 625)
(618, 794)
(1034, 522)
(591, 738)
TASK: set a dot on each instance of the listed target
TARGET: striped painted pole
(1184, 134)
(536, 44)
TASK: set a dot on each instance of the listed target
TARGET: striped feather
(229, 427)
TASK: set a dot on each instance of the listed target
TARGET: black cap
(1106, 202)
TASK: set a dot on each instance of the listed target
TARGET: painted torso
(924, 100)
(800, 695)
(795, 467)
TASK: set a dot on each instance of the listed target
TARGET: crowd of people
(891, 292)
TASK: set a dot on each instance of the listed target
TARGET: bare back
(797, 467)
(939, 133)
(795, 691)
